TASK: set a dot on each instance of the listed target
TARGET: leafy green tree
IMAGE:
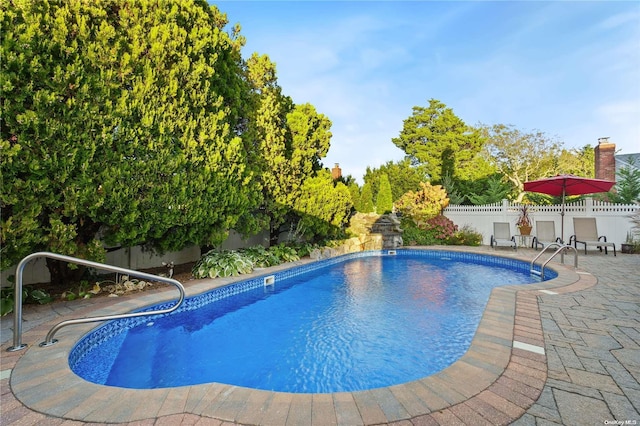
(324, 208)
(366, 199)
(310, 138)
(627, 188)
(520, 156)
(436, 137)
(579, 162)
(120, 121)
(403, 177)
(496, 191)
(384, 203)
(268, 128)
(291, 140)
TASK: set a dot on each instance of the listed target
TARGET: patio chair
(586, 233)
(502, 235)
(545, 234)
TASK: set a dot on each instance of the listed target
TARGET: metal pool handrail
(49, 340)
(561, 248)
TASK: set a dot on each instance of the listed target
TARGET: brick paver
(588, 384)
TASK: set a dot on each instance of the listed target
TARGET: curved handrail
(561, 248)
(49, 340)
(542, 252)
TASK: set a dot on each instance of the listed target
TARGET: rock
(315, 254)
(328, 253)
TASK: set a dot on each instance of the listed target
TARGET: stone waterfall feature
(388, 225)
(370, 232)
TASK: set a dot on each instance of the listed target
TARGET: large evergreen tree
(324, 207)
(354, 190)
(403, 177)
(268, 130)
(366, 199)
(290, 140)
(627, 189)
(436, 137)
(120, 120)
(384, 201)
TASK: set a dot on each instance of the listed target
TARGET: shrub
(224, 263)
(260, 256)
(424, 204)
(384, 200)
(437, 230)
(284, 253)
(442, 227)
(412, 235)
(29, 295)
(466, 236)
(305, 249)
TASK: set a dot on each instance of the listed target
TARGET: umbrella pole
(562, 218)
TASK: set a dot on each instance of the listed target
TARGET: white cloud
(619, 20)
(620, 112)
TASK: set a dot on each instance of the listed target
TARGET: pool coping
(500, 376)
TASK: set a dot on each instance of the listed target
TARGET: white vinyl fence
(135, 258)
(613, 220)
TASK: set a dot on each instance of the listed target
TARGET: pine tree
(384, 200)
(628, 185)
(366, 199)
(324, 208)
(354, 189)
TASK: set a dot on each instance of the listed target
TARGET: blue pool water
(361, 323)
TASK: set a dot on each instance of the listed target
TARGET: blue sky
(568, 69)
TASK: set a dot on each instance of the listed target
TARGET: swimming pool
(374, 320)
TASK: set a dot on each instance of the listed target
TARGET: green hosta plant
(29, 295)
(223, 263)
(39, 296)
(260, 256)
(304, 249)
(7, 299)
(284, 253)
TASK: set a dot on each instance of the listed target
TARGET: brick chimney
(605, 161)
(336, 172)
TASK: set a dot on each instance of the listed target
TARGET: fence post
(588, 206)
(505, 209)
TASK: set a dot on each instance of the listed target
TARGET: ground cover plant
(30, 295)
(227, 263)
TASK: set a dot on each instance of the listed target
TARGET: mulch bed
(181, 273)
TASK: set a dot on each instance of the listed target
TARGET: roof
(627, 160)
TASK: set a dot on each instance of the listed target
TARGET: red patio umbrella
(563, 185)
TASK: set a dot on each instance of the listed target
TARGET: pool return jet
(49, 340)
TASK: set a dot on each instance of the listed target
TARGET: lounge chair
(586, 233)
(545, 234)
(502, 235)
